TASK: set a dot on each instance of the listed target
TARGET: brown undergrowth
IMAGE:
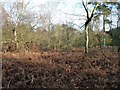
(60, 69)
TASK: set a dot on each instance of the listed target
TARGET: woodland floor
(61, 69)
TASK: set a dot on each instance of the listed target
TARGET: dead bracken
(60, 69)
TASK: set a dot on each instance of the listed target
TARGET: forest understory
(60, 44)
(61, 69)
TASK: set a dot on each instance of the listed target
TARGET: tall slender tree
(105, 10)
(16, 12)
(89, 18)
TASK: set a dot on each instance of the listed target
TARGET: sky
(62, 7)
(65, 6)
(70, 7)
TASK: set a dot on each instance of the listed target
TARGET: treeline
(23, 29)
(59, 37)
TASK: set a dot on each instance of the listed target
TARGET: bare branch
(27, 4)
(77, 19)
(79, 26)
(73, 14)
(36, 23)
(85, 9)
(93, 12)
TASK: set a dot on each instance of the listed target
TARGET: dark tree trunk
(104, 37)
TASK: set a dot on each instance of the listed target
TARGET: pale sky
(62, 6)
(70, 7)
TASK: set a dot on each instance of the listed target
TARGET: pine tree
(104, 9)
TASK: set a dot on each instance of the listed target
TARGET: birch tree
(17, 10)
(89, 18)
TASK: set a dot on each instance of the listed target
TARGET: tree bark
(15, 37)
(104, 37)
(86, 39)
(89, 18)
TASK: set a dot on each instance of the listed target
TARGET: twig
(32, 78)
(9, 84)
(91, 65)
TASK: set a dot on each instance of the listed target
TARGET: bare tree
(89, 18)
(16, 12)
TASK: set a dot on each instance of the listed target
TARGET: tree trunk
(49, 30)
(104, 37)
(86, 24)
(86, 38)
(15, 39)
(67, 39)
(118, 22)
(111, 23)
(15, 36)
